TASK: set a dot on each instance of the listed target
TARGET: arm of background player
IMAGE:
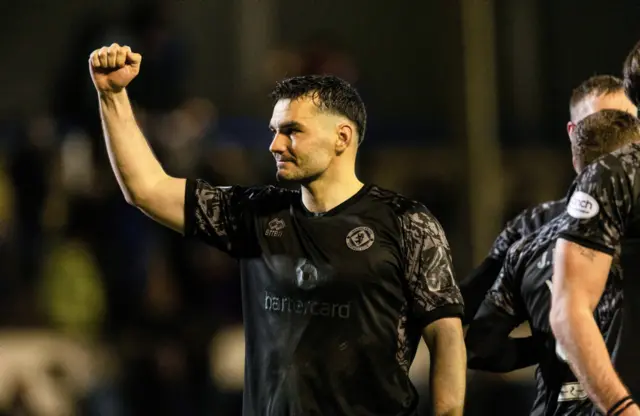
(595, 221)
(489, 346)
(142, 179)
(475, 286)
(580, 275)
(448, 370)
(436, 304)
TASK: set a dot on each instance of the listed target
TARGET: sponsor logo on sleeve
(582, 206)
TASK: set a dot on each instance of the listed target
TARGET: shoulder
(623, 162)
(266, 196)
(399, 204)
(541, 213)
(414, 217)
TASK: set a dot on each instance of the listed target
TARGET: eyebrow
(287, 125)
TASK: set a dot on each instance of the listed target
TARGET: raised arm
(142, 179)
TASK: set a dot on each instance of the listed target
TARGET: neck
(326, 192)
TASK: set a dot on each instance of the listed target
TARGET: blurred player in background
(339, 279)
(602, 232)
(596, 93)
(523, 290)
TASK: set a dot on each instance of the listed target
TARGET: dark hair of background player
(594, 86)
(631, 72)
(329, 93)
(603, 132)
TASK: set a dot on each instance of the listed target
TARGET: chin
(283, 176)
(289, 176)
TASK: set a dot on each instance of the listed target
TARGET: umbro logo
(275, 227)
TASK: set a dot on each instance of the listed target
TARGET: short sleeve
(600, 205)
(432, 289)
(218, 215)
(505, 292)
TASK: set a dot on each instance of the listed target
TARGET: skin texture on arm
(580, 275)
(142, 179)
(445, 340)
(140, 176)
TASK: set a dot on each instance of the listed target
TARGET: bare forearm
(582, 342)
(448, 373)
(133, 162)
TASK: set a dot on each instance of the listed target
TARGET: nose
(278, 144)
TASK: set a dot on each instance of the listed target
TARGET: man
(523, 290)
(601, 231)
(596, 93)
(339, 279)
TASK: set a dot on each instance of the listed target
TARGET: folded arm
(489, 346)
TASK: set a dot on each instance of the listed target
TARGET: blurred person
(600, 233)
(596, 93)
(30, 171)
(339, 279)
(522, 292)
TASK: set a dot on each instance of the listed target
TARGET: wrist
(112, 95)
(632, 410)
(625, 406)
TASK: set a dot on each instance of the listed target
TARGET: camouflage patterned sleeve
(512, 232)
(599, 207)
(524, 224)
(217, 215)
(505, 292)
(433, 292)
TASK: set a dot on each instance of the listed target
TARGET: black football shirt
(523, 293)
(334, 305)
(475, 285)
(604, 214)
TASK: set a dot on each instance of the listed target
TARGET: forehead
(614, 101)
(299, 110)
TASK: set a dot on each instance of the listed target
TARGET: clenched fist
(113, 68)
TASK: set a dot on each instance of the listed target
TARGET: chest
(349, 252)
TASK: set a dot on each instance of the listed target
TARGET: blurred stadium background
(102, 312)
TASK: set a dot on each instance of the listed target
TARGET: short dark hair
(601, 133)
(593, 87)
(329, 93)
(631, 73)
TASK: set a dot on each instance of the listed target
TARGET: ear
(345, 137)
(570, 127)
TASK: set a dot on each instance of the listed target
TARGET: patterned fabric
(610, 184)
(524, 224)
(326, 295)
